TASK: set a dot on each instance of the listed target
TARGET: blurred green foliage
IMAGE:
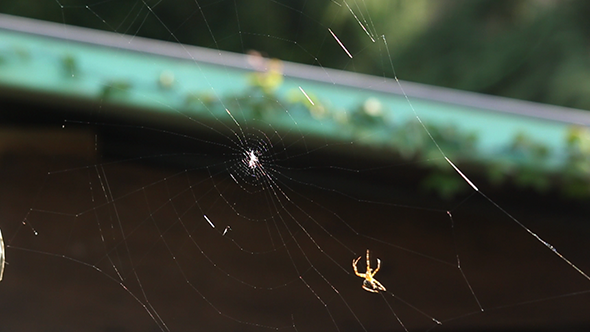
(577, 173)
(115, 89)
(528, 49)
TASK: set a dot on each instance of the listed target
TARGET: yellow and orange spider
(370, 284)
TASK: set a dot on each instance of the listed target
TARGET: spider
(370, 284)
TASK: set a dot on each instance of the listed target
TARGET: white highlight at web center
(253, 160)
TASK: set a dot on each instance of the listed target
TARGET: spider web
(237, 220)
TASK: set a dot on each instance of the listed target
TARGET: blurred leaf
(445, 184)
(115, 89)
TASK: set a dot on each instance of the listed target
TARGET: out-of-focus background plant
(535, 50)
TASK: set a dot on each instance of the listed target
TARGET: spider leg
(378, 285)
(368, 262)
(378, 266)
(370, 289)
(354, 262)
